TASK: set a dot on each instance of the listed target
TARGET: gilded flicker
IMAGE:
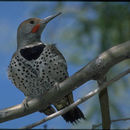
(35, 67)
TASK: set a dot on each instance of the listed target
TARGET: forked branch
(92, 71)
(79, 101)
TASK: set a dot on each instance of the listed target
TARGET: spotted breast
(34, 70)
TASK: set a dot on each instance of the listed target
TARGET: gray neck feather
(25, 41)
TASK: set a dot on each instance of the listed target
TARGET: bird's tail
(73, 115)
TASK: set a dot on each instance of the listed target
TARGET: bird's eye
(32, 22)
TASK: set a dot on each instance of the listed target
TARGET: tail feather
(73, 115)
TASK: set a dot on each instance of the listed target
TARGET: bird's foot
(56, 85)
(25, 103)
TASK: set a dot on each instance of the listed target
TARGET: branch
(122, 119)
(94, 70)
(104, 105)
(79, 101)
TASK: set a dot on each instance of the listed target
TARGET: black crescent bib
(32, 53)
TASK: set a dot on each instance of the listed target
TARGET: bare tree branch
(104, 105)
(94, 70)
(122, 119)
(79, 101)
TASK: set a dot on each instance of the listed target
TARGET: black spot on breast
(32, 53)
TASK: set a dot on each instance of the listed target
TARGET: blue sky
(11, 15)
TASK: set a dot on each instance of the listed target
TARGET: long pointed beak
(49, 18)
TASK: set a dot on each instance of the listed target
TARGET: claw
(25, 103)
(56, 85)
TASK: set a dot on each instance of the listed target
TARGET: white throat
(31, 45)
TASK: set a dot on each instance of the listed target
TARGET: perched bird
(35, 67)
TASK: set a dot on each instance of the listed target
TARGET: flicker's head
(30, 30)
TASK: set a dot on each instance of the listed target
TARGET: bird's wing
(55, 51)
(68, 99)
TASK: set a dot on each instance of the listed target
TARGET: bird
(36, 67)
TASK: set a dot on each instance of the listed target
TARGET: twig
(122, 119)
(79, 101)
